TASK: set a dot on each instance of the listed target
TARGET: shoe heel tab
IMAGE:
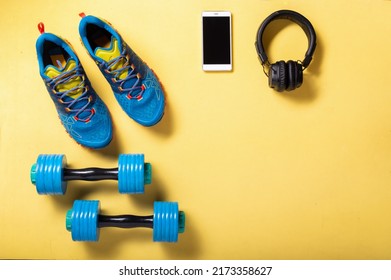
(41, 27)
(82, 14)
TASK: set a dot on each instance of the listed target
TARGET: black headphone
(286, 75)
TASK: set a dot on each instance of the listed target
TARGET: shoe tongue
(110, 53)
(52, 72)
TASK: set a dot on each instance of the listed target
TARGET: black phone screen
(216, 40)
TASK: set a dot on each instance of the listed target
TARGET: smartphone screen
(216, 35)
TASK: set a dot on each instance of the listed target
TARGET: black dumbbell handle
(90, 174)
(125, 221)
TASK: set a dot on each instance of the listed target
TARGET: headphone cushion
(278, 75)
(292, 75)
(295, 73)
(282, 81)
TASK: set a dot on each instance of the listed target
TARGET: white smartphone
(216, 41)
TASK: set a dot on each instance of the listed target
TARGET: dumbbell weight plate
(47, 174)
(167, 222)
(82, 220)
(133, 173)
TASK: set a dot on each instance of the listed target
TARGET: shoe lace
(119, 65)
(73, 105)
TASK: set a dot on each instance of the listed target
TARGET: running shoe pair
(82, 112)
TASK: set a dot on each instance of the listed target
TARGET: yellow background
(260, 175)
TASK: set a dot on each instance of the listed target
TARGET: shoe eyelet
(91, 115)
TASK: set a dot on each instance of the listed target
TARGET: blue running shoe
(135, 86)
(81, 111)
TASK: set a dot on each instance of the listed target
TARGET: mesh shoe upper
(81, 111)
(135, 86)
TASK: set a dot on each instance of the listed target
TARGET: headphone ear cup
(278, 75)
(295, 75)
(292, 76)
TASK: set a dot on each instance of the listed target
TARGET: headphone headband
(296, 18)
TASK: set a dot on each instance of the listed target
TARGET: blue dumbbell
(84, 221)
(50, 175)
